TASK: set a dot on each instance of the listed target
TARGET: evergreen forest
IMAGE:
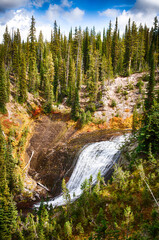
(55, 71)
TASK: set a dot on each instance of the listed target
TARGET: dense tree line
(57, 69)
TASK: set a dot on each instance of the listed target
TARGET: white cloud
(54, 11)
(6, 17)
(66, 17)
(58, 12)
(143, 13)
(73, 15)
(110, 13)
(138, 16)
(22, 19)
(66, 3)
(8, 4)
(146, 5)
(39, 3)
(46, 30)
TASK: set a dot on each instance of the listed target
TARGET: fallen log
(41, 185)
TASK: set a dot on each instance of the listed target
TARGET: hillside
(53, 135)
(56, 98)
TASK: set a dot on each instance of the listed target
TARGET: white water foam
(99, 156)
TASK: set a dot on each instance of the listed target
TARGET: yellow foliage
(120, 123)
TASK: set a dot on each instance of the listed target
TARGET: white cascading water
(99, 156)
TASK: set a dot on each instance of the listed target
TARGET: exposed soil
(56, 144)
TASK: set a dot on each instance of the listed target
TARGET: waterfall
(99, 156)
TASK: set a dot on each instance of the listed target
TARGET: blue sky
(70, 13)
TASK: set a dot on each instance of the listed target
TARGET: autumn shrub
(36, 111)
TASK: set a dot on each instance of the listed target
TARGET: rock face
(56, 145)
(123, 91)
(46, 166)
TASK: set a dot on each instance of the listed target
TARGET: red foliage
(55, 112)
(36, 111)
(7, 123)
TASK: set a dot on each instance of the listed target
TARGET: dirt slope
(55, 143)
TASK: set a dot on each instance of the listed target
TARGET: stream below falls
(95, 157)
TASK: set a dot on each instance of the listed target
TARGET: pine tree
(32, 37)
(121, 57)
(16, 56)
(68, 230)
(71, 82)
(3, 92)
(135, 119)
(56, 79)
(135, 46)
(40, 51)
(49, 78)
(78, 59)
(86, 44)
(2, 152)
(7, 47)
(147, 44)
(141, 48)
(149, 133)
(93, 40)
(31, 228)
(33, 71)
(75, 44)
(109, 51)
(7, 86)
(10, 165)
(150, 88)
(109, 42)
(62, 79)
(65, 192)
(115, 48)
(104, 47)
(22, 80)
(155, 34)
(8, 213)
(55, 42)
(128, 49)
(75, 105)
(99, 43)
(92, 76)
